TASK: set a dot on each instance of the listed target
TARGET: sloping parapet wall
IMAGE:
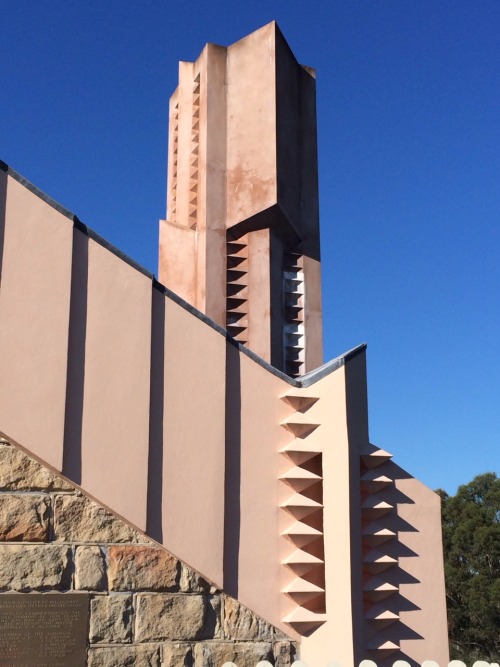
(145, 606)
(255, 480)
(142, 401)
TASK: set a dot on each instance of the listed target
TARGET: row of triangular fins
(195, 141)
(293, 293)
(307, 589)
(375, 509)
(236, 288)
(175, 151)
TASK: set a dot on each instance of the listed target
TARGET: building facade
(197, 408)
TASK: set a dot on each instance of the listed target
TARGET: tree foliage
(471, 541)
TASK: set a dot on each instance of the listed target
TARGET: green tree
(471, 541)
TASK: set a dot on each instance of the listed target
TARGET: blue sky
(409, 159)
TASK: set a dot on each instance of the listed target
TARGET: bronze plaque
(43, 630)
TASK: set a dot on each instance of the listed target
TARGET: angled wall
(231, 465)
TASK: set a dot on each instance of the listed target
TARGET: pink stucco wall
(115, 423)
(34, 316)
(194, 441)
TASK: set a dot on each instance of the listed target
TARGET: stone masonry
(147, 609)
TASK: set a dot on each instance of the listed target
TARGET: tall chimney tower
(241, 238)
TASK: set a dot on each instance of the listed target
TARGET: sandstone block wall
(147, 609)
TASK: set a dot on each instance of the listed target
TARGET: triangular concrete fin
(298, 456)
(299, 478)
(380, 613)
(375, 458)
(299, 429)
(303, 620)
(300, 557)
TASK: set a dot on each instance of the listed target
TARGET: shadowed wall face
(72, 454)
(3, 202)
(243, 161)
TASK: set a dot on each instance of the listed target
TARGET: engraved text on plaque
(43, 630)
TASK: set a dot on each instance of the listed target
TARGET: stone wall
(147, 609)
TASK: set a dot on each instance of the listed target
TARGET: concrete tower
(241, 239)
